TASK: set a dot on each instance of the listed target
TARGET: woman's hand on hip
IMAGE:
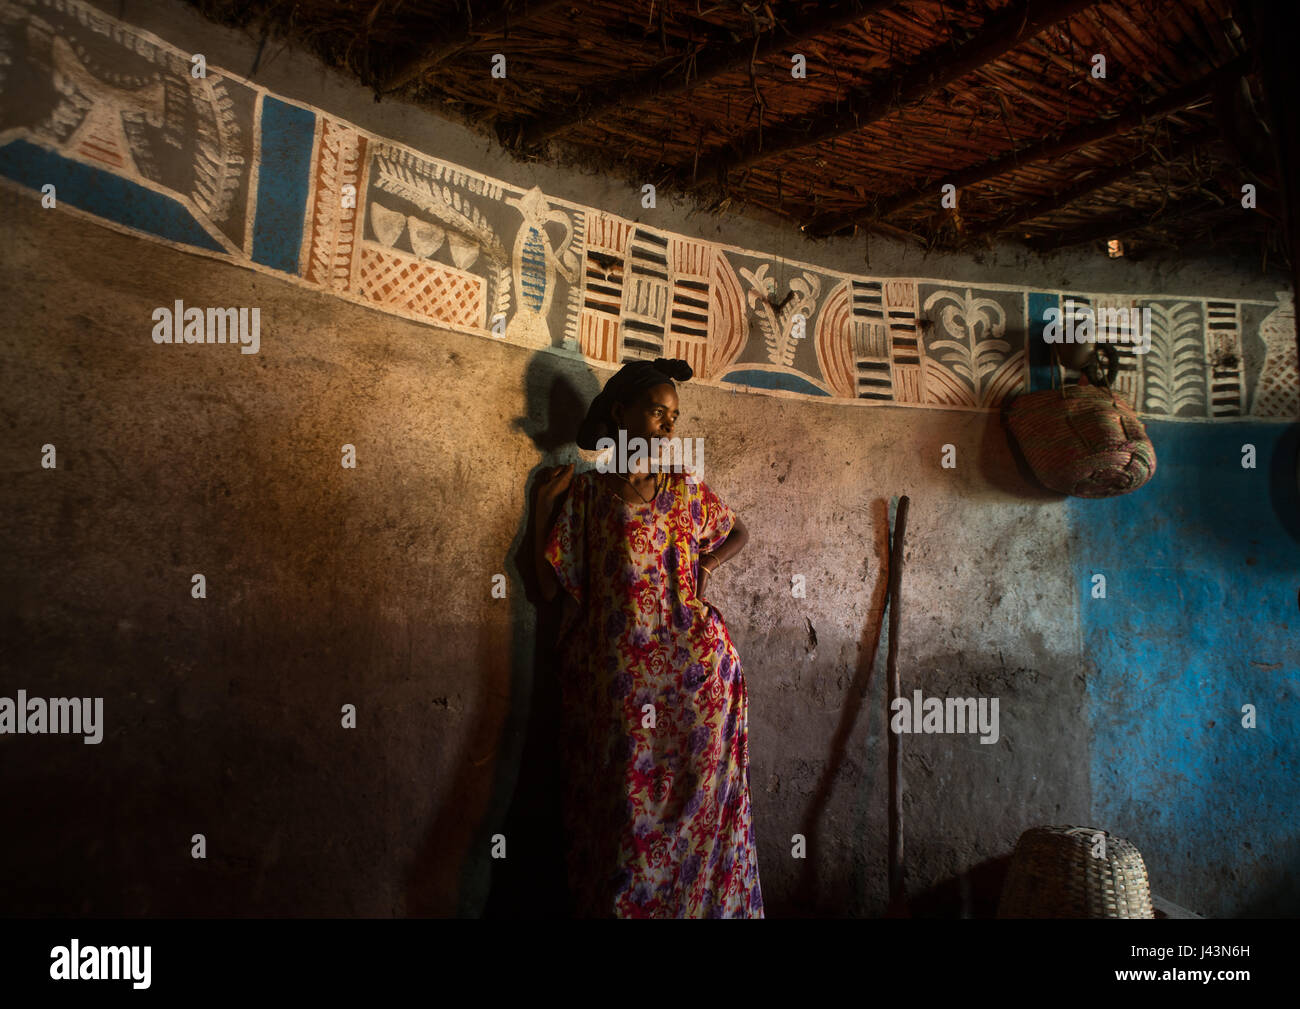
(702, 582)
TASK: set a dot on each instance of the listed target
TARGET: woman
(655, 706)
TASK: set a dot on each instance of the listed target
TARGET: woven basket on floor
(1082, 440)
(1057, 873)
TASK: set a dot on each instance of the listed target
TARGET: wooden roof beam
(458, 37)
(1118, 227)
(1251, 228)
(1096, 182)
(933, 69)
(1053, 147)
(660, 82)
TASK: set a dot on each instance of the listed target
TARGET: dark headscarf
(624, 387)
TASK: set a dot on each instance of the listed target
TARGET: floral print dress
(655, 734)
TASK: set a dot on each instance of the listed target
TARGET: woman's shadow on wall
(531, 881)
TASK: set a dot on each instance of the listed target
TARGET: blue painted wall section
(282, 183)
(104, 194)
(1202, 568)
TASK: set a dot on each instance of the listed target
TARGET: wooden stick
(897, 886)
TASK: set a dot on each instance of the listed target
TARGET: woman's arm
(734, 543)
(710, 562)
(550, 585)
(550, 489)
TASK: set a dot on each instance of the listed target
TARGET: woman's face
(653, 415)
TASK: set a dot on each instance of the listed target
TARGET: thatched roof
(996, 97)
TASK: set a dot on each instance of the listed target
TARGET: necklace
(647, 500)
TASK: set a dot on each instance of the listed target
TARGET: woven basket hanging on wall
(1082, 440)
(1059, 872)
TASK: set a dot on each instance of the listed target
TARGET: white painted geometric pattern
(567, 277)
(1278, 393)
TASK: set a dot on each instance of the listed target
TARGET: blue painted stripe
(282, 183)
(98, 191)
(773, 380)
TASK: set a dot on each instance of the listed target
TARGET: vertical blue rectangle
(284, 173)
(1040, 359)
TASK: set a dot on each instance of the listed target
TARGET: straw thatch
(995, 96)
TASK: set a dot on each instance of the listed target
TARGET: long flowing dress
(655, 733)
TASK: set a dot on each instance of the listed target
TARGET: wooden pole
(897, 885)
